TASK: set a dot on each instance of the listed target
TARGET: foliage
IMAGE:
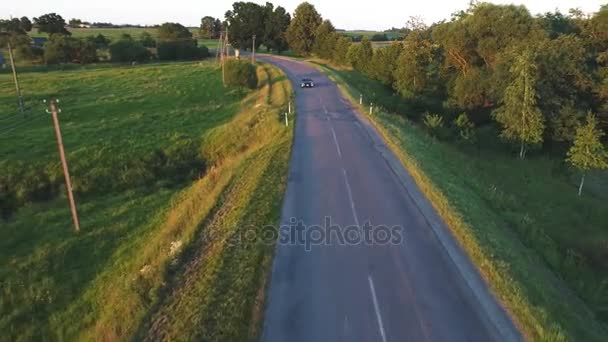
(324, 40)
(175, 43)
(209, 28)
(341, 48)
(465, 126)
(147, 40)
(26, 24)
(301, 32)
(360, 55)
(379, 37)
(127, 50)
(100, 41)
(66, 49)
(240, 73)
(51, 23)
(173, 32)
(181, 50)
(588, 153)
(416, 73)
(245, 20)
(276, 23)
(519, 116)
(384, 62)
(433, 122)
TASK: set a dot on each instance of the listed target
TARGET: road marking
(350, 198)
(376, 307)
(333, 133)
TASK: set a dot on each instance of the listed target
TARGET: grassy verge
(520, 222)
(218, 291)
(101, 284)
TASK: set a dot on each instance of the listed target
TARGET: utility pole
(253, 51)
(68, 183)
(15, 78)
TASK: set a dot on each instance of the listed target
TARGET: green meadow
(155, 151)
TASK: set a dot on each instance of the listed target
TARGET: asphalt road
(407, 290)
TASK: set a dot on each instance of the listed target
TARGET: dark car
(307, 83)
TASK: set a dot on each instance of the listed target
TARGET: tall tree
(12, 31)
(324, 39)
(245, 20)
(276, 24)
(208, 29)
(26, 24)
(417, 68)
(384, 62)
(587, 153)
(520, 117)
(51, 23)
(301, 32)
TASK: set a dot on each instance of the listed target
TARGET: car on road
(307, 83)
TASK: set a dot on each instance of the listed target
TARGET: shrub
(433, 123)
(65, 49)
(465, 126)
(128, 50)
(181, 50)
(241, 73)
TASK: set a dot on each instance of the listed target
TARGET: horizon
(362, 17)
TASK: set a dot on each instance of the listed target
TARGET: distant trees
(100, 41)
(127, 50)
(587, 153)
(301, 32)
(25, 24)
(51, 23)
(147, 40)
(65, 49)
(175, 42)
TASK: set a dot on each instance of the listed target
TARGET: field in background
(115, 33)
(150, 162)
(517, 219)
(369, 34)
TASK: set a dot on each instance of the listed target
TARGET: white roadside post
(286, 121)
(289, 107)
(371, 108)
(361, 99)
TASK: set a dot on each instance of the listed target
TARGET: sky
(344, 14)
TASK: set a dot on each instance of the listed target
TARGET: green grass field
(153, 155)
(541, 247)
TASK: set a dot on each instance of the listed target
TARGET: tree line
(172, 42)
(543, 80)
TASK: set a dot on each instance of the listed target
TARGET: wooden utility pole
(253, 51)
(15, 78)
(68, 183)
